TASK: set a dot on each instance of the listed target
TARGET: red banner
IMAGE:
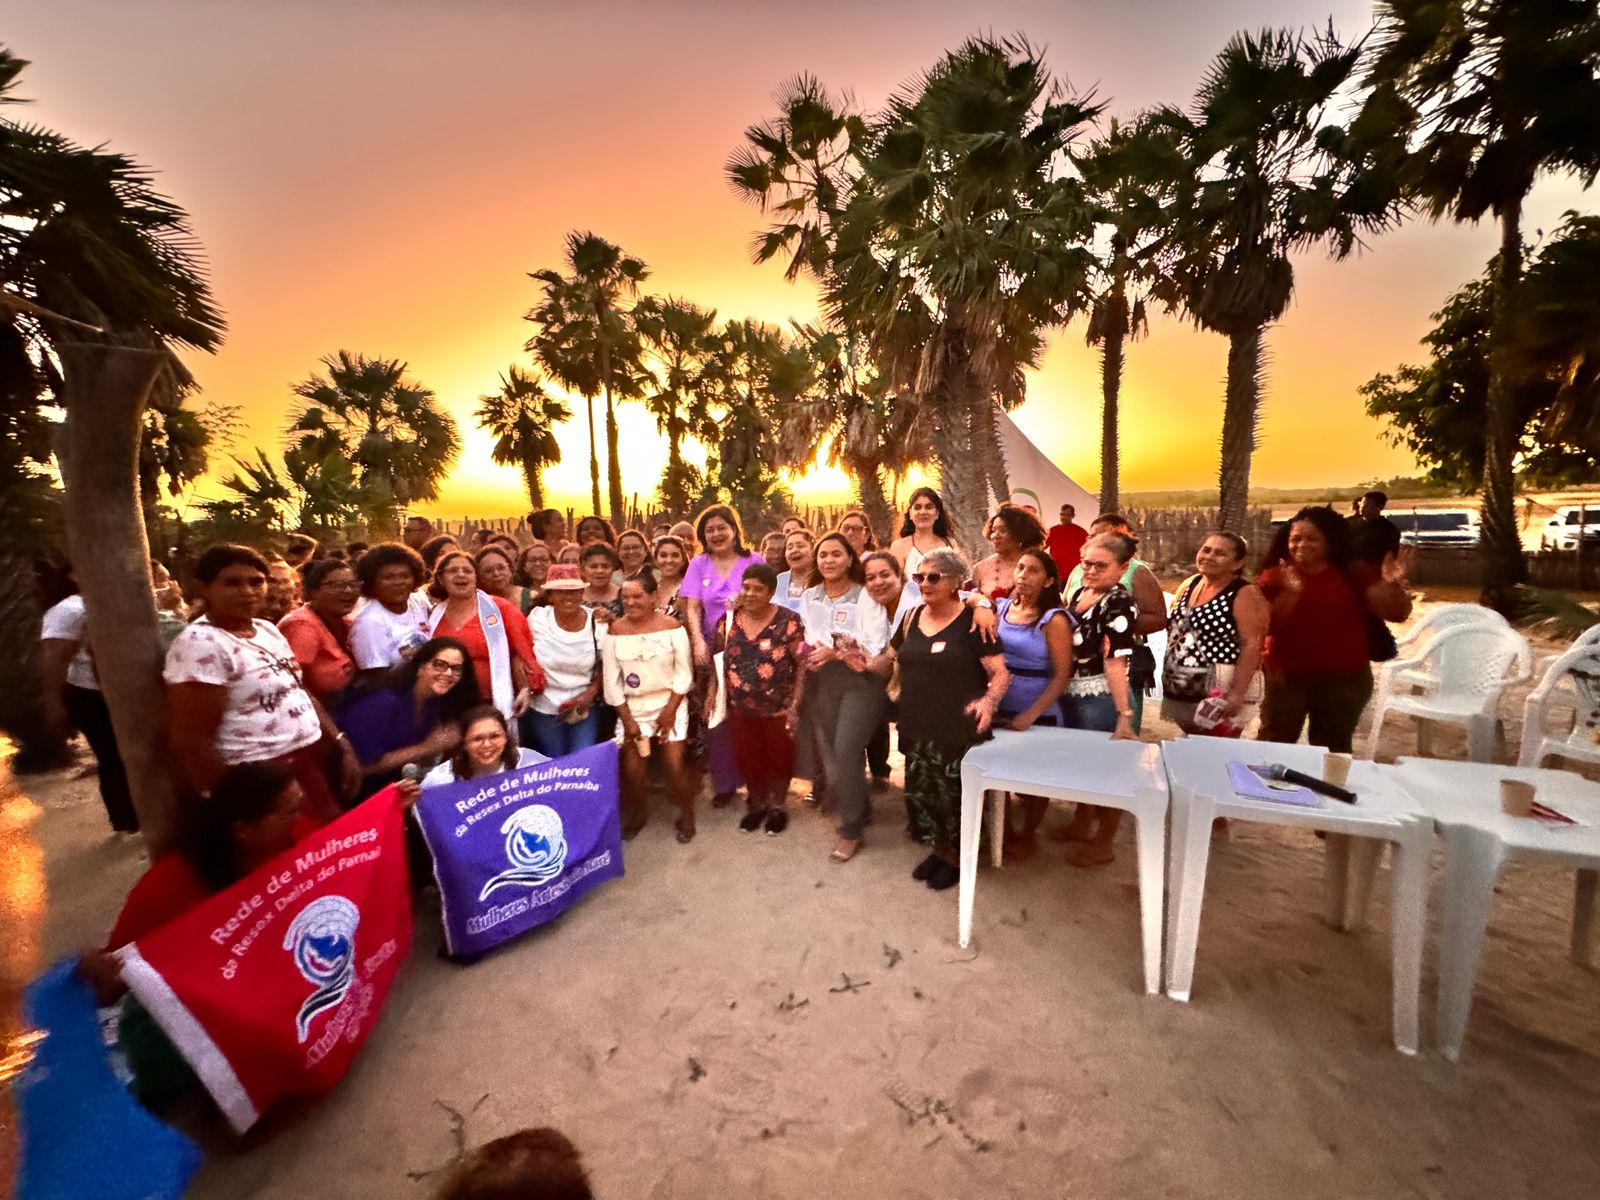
(269, 988)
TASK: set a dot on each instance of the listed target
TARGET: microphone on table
(1310, 782)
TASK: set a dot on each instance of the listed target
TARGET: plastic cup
(1516, 797)
(1335, 769)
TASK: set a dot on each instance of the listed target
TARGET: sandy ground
(741, 1017)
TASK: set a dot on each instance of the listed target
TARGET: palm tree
(584, 339)
(755, 374)
(1251, 179)
(677, 343)
(1115, 171)
(389, 428)
(100, 277)
(961, 243)
(849, 413)
(523, 417)
(1489, 95)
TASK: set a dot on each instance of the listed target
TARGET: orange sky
(379, 176)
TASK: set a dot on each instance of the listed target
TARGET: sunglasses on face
(920, 577)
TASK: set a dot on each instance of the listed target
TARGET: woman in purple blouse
(710, 588)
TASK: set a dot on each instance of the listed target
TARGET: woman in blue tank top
(1036, 634)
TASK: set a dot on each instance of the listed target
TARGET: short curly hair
(389, 554)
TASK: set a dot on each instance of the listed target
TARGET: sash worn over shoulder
(494, 634)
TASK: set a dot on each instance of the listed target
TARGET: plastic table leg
(1150, 836)
(1409, 922)
(997, 803)
(1365, 854)
(972, 793)
(1336, 879)
(1190, 855)
(1472, 864)
(1583, 916)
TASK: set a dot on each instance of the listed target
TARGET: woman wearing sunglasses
(951, 682)
(1098, 696)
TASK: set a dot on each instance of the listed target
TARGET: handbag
(718, 711)
(892, 688)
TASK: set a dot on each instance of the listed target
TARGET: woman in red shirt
(1318, 651)
(319, 630)
(493, 630)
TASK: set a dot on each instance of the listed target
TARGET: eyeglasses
(484, 739)
(927, 576)
(447, 668)
(1095, 564)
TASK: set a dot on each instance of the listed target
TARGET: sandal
(1091, 855)
(685, 832)
(845, 849)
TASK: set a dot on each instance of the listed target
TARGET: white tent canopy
(1038, 482)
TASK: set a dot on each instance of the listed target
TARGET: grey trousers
(846, 709)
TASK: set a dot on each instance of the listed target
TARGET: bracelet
(1124, 712)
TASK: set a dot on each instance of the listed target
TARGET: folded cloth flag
(269, 988)
(83, 1136)
(514, 850)
(1252, 785)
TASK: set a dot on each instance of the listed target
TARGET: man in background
(417, 532)
(1065, 541)
(1373, 536)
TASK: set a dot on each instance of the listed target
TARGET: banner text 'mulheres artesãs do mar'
(514, 850)
(269, 988)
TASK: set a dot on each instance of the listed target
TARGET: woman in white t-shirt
(234, 693)
(392, 620)
(565, 717)
(486, 749)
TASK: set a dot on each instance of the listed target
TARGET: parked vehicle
(1444, 527)
(1562, 531)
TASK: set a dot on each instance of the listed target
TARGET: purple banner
(514, 850)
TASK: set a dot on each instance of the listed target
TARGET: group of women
(794, 661)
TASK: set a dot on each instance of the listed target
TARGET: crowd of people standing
(702, 649)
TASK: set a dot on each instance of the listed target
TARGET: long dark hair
(944, 524)
(1333, 529)
(244, 793)
(1050, 594)
(460, 762)
(728, 515)
(856, 573)
(458, 699)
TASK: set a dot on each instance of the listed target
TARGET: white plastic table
(1197, 772)
(1070, 765)
(1464, 801)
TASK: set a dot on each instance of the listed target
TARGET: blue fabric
(514, 850)
(554, 737)
(1090, 712)
(1027, 658)
(83, 1136)
(384, 721)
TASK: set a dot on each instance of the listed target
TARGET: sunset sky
(380, 176)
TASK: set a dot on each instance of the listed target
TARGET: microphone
(1311, 782)
(411, 773)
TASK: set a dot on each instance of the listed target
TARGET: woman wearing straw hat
(565, 717)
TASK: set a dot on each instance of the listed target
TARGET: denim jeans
(553, 737)
(1090, 712)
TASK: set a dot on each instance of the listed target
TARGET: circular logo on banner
(322, 939)
(536, 848)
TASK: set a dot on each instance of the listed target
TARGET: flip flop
(840, 855)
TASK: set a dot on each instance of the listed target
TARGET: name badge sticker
(842, 615)
(936, 648)
(766, 643)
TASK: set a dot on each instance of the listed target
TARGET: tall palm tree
(849, 414)
(585, 341)
(100, 276)
(961, 244)
(1489, 95)
(392, 430)
(755, 375)
(1252, 179)
(1116, 175)
(678, 347)
(523, 417)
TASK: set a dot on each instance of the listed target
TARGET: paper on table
(1247, 783)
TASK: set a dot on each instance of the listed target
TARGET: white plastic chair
(1589, 637)
(1409, 644)
(1572, 679)
(1462, 671)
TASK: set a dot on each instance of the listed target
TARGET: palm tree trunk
(105, 392)
(1110, 391)
(1239, 429)
(532, 480)
(1500, 549)
(875, 501)
(22, 711)
(986, 436)
(613, 465)
(963, 480)
(594, 461)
